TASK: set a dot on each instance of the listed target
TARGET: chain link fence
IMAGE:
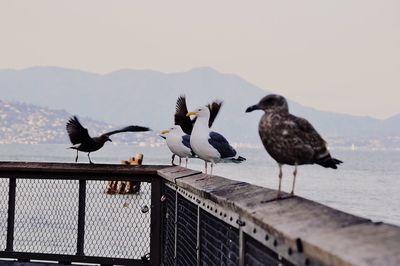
(66, 218)
(46, 219)
(200, 237)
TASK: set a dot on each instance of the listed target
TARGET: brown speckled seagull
(290, 139)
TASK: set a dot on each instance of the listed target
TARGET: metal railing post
(176, 227)
(11, 214)
(155, 221)
(198, 243)
(241, 246)
(81, 218)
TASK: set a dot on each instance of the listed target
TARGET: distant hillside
(148, 97)
(29, 124)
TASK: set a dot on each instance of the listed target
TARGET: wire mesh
(4, 184)
(169, 227)
(256, 254)
(219, 241)
(117, 225)
(187, 232)
(46, 216)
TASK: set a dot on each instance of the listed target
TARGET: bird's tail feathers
(329, 162)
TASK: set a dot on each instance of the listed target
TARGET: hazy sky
(336, 55)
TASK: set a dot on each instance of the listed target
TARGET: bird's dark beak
(252, 108)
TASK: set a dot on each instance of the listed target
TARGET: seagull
(290, 139)
(185, 122)
(209, 145)
(79, 137)
(177, 142)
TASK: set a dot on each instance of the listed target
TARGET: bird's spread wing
(180, 116)
(76, 132)
(221, 145)
(128, 129)
(214, 107)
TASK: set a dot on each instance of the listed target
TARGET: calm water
(367, 184)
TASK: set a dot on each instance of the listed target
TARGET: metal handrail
(83, 173)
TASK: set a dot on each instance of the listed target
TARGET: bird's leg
(205, 165)
(88, 155)
(173, 159)
(212, 165)
(294, 179)
(280, 181)
(76, 159)
(186, 160)
(180, 161)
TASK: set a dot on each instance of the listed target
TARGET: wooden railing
(189, 219)
(289, 231)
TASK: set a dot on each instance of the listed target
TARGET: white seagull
(177, 135)
(209, 145)
(178, 143)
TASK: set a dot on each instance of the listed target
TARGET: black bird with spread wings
(82, 141)
(290, 139)
(185, 122)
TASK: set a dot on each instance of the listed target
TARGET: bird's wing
(318, 145)
(180, 117)
(220, 143)
(186, 141)
(214, 108)
(307, 134)
(76, 132)
(128, 129)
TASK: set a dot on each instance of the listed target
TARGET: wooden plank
(202, 184)
(297, 219)
(175, 172)
(361, 244)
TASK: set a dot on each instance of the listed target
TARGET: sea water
(366, 184)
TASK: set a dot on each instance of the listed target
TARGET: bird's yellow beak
(191, 113)
(164, 132)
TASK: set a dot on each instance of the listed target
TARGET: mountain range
(147, 97)
(29, 124)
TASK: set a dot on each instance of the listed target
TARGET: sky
(341, 55)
